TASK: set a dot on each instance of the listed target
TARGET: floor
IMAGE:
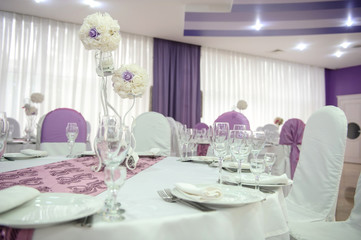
(349, 178)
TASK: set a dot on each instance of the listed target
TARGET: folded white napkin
(15, 196)
(155, 151)
(266, 179)
(199, 193)
(34, 153)
(245, 165)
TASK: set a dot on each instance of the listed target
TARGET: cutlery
(264, 190)
(172, 199)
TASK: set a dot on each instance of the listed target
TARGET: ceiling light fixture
(338, 53)
(91, 3)
(345, 44)
(301, 46)
(349, 22)
(258, 25)
(39, 1)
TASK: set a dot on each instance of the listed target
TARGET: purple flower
(127, 76)
(93, 33)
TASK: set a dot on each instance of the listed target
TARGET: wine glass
(269, 159)
(240, 148)
(220, 144)
(72, 131)
(112, 144)
(4, 129)
(258, 140)
(239, 127)
(257, 168)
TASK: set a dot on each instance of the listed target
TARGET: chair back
(355, 216)
(292, 134)
(175, 137)
(232, 118)
(152, 130)
(53, 131)
(317, 176)
(15, 123)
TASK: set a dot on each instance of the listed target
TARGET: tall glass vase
(29, 127)
(4, 129)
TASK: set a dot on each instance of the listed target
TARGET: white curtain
(43, 55)
(272, 88)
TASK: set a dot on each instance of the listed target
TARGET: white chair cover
(272, 133)
(152, 130)
(314, 193)
(349, 229)
(15, 123)
(174, 142)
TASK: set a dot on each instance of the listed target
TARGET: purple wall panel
(342, 82)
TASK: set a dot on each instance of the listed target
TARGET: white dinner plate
(232, 196)
(17, 156)
(232, 165)
(51, 208)
(88, 154)
(202, 159)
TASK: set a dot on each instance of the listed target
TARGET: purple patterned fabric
(176, 87)
(55, 122)
(292, 134)
(232, 118)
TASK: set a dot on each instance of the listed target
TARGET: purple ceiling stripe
(300, 6)
(278, 32)
(272, 16)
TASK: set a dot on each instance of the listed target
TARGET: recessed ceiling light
(91, 3)
(338, 53)
(39, 1)
(301, 46)
(258, 25)
(345, 44)
(349, 22)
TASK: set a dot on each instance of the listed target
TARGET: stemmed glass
(220, 144)
(258, 140)
(184, 137)
(72, 131)
(112, 144)
(4, 129)
(239, 127)
(257, 168)
(240, 148)
(269, 159)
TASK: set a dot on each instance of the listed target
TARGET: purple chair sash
(55, 122)
(232, 118)
(291, 134)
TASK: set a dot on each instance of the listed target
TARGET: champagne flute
(269, 159)
(257, 168)
(258, 140)
(220, 144)
(72, 131)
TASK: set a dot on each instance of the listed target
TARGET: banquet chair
(232, 118)
(313, 196)
(175, 151)
(349, 229)
(15, 123)
(271, 131)
(53, 134)
(290, 140)
(152, 131)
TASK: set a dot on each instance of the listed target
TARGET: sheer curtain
(43, 55)
(272, 88)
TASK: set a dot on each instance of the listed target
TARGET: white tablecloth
(148, 217)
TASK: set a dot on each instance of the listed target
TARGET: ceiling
(228, 24)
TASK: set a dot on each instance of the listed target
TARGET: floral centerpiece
(278, 121)
(130, 81)
(242, 105)
(31, 112)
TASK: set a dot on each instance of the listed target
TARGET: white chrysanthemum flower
(37, 98)
(101, 32)
(242, 104)
(130, 81)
